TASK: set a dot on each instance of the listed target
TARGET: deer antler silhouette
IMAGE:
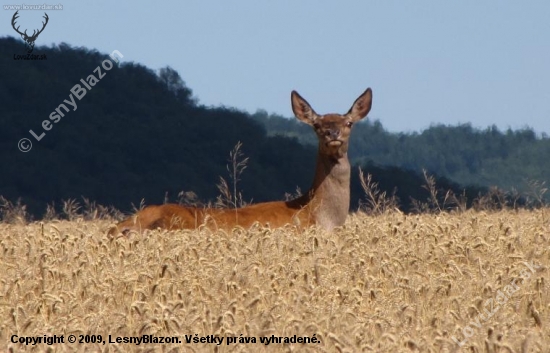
(29, 40)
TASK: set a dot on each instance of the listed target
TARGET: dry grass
(386, 283)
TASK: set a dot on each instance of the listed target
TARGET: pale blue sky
(427, 61)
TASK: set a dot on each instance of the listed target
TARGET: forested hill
(507, 159)
(138, 134)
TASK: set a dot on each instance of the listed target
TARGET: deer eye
(349, 123)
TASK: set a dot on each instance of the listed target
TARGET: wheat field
(451, 282)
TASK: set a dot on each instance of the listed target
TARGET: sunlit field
(471, 282)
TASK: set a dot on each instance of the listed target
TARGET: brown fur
(326, 204)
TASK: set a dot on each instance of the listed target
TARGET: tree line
(484, 157)
(140, 135)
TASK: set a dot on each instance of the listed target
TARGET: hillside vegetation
(142, 135)
(135, 135)
(389, 283)
(469, 156)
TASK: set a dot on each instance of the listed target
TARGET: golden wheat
(389, 283)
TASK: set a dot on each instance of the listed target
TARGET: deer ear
(361, 106)
(302, 109)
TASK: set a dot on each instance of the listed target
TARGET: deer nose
(333, 134)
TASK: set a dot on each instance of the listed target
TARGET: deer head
(29, 40)
(333, 130)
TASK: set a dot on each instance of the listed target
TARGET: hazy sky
(484, 62)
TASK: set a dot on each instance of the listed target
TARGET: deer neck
(329, 196)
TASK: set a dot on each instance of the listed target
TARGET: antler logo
(29, 40)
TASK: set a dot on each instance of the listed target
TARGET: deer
(325, 205)
(29, 40)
